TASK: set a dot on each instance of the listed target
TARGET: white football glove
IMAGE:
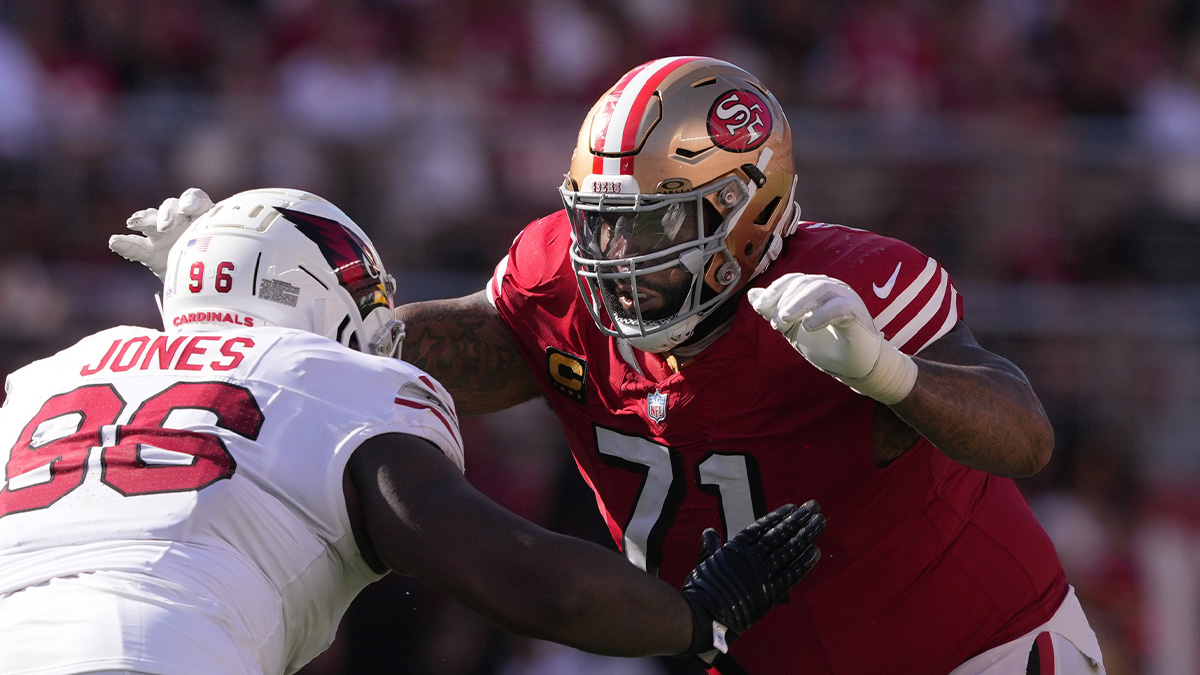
(159, 229)
(829, 325)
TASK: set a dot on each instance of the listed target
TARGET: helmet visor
(616, 233)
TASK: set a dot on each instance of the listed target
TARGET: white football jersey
(172, 502)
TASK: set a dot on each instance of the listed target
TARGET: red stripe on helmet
(604, 117)
(638, 111)
(605, 125)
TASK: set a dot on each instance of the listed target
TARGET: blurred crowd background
(1047, 152)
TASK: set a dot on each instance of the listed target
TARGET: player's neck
(682, 355)
(712, 327)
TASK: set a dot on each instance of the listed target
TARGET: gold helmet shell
(697, 135)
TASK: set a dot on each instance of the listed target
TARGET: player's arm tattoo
(465, 344)
(978, 408)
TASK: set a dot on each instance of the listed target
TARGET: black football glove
(736, 583)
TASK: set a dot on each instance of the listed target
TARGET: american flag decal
(199, 244)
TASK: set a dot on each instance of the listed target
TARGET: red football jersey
(924, 564)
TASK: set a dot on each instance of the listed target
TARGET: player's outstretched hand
(159, 229)
(827, 322)
(736, 583)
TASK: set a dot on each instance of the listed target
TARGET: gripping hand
(159, 229)
(735, 586)
(829, 325)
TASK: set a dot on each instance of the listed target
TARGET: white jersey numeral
(732, 478)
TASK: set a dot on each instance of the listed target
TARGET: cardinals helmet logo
(354, 262)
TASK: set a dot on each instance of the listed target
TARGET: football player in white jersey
(209, 499)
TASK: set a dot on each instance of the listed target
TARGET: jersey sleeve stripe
(418, 405)
(434, 388)
(926, 314)
(951, 319)
(906, 296)
(493, 287)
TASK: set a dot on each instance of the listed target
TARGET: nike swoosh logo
(886, 289)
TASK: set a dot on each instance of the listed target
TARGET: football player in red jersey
(710, 355)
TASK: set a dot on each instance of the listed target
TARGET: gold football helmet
(683, 170)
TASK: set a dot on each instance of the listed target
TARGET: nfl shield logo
(656, 406)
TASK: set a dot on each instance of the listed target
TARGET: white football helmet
(282, 257)
(683, 167)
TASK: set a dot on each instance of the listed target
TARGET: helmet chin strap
(665, 340)
(707, 331)
(680, 333)
(699, 336)
(626, 351)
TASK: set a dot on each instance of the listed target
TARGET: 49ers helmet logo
(739, 120)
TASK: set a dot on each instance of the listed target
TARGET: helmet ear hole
(712, 218)
(764, 216)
